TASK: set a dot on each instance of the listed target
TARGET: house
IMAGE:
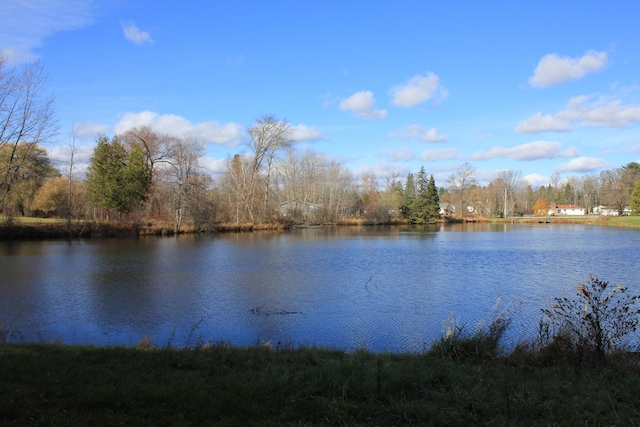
(447, 209)
(298, 208)
(605, 211)
(566, 210)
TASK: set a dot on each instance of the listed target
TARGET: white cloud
(553, 69)
(134, 34)
(361, 104)
(401, 155)
(214, 166)
(601, 113)
(441, 154)
(583, 165)
(536, 180)
(536, 150)
(228, 135)
(540, 123)
(24, 25)
(417, 132)
(304, 133)
(90, 130)
(60, 156)
(418, 89)
(582, 113)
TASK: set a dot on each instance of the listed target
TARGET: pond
(378, 288)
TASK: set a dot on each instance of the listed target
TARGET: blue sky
(538, 87)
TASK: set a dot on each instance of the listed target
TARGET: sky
(384, 87)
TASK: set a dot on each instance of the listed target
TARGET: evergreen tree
(419, 214)
(116, 180)
(408, 196)
(635, 199)
(433, 201)
(136, 181)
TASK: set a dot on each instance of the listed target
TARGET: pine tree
(433, 201)
(408, 196)
(116, 180)
(635, 199)
(419, 205)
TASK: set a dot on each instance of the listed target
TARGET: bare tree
(156, 147)
(70, 175)
(26, 116)
(183, 170)
(460, 182)
(510, 181)
(237, 184)
(266, 138)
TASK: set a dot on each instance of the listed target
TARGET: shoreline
(43, 229)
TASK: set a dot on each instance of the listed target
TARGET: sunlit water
(383, 289)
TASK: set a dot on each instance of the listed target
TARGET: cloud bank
(581, 111)
(227, 135)
(583, 165)
(536, 150)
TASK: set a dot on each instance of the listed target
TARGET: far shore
(27, 228)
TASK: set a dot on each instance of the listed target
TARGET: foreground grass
(51, 384)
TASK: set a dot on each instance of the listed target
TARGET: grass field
(54, 385)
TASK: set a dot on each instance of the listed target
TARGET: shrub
(597, 320)
(482, 344)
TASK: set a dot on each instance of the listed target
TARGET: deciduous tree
(460, 182)
(265, 139)
(26, 118)
(541, 207)
(31, 168)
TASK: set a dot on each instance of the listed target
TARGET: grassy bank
(613, 221)
(580, 370)
(219, 385)
(22, 228)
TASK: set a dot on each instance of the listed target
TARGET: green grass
(614, 221)
(625, 221)
(31, 220)
(51, 384)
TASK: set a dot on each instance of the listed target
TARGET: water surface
(380, 288)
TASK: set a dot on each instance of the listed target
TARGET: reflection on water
(381, 288)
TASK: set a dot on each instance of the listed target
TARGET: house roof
(567, 206)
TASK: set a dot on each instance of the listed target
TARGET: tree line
(145, 175)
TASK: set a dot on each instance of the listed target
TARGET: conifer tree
(419, 205)
(409, 195)
(116, 180)
(635, 199)
(433, 201)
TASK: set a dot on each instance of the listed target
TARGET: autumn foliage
(541, 207)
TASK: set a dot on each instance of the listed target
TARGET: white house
(566, 210)
(605, 211)
(292, 208)
(447, 209)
